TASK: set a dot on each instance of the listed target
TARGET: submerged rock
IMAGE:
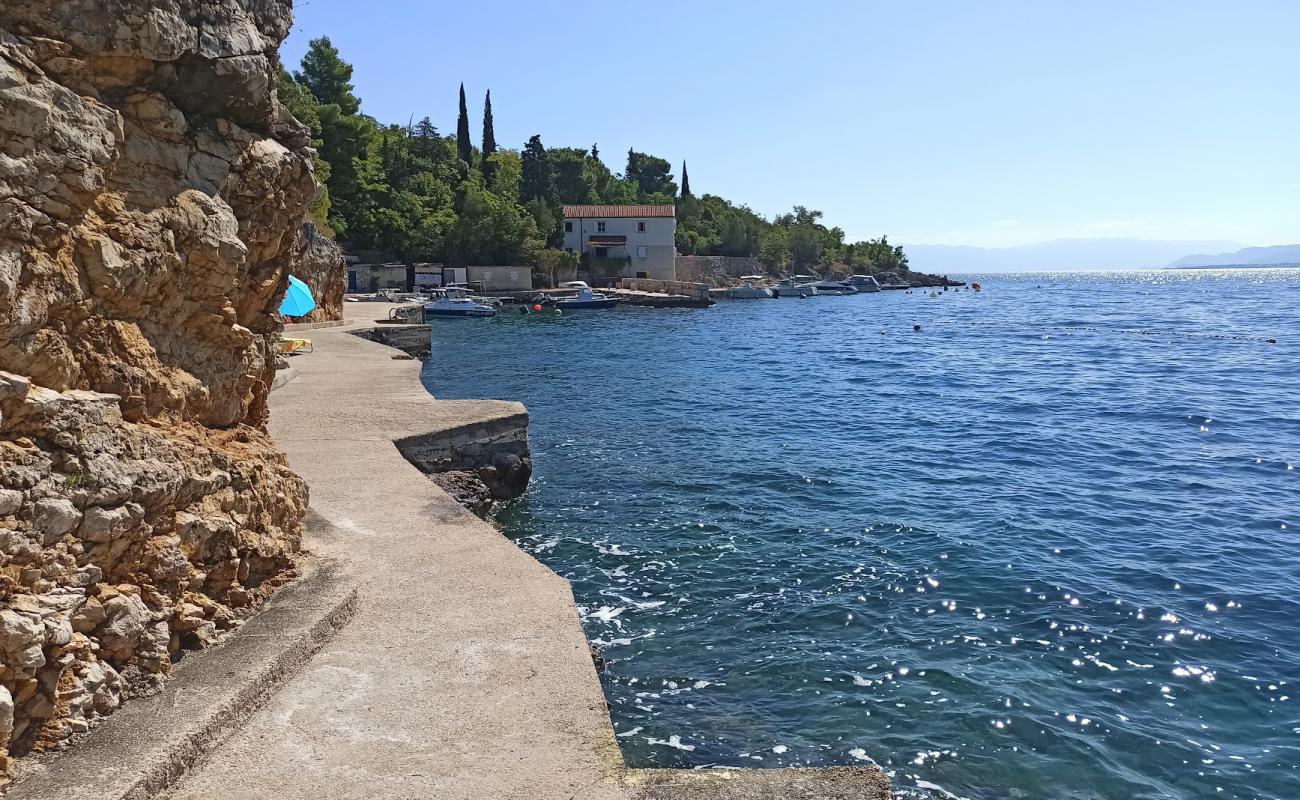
(151, 201)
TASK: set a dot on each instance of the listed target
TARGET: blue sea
(1047, 546)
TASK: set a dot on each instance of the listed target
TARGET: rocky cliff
(151, 192)
(319, 262)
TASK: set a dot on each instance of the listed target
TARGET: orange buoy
(537, 307)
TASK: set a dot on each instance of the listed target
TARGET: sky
(991, 123)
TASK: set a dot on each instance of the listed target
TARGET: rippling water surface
(1046, 547)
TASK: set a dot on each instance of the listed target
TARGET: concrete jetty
(460, 669)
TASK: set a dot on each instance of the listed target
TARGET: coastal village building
(643, 236)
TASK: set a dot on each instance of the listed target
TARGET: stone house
(643, 236)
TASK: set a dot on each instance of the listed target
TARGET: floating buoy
(1271, 341)
(537, 306)
(916, 327)
(934, 294)
(975, 286)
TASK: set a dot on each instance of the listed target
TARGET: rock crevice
(152, 190)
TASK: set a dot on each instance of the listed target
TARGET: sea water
(1046, 546)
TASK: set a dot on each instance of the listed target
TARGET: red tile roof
(612, 212)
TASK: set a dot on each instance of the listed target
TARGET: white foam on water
(674, 741)
(632, 732)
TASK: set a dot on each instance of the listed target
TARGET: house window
(568, 227)
(640, 251)
(640, 227)
(600, 227)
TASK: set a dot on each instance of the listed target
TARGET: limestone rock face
(151, 195)
(318, 262)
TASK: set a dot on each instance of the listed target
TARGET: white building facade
(645, 235)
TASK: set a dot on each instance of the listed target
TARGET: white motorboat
(830, 286)
(796, 286)
(863, 283)
(585, 298)
(456, 302)
(750, 288)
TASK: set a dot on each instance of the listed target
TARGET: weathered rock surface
(319, 262)
(151, 195)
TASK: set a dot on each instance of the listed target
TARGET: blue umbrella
(298, 301)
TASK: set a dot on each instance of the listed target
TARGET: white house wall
(659, 239)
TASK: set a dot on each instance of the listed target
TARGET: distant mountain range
(1060, 254)
(1246, 256)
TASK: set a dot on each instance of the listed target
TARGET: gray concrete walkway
(465, 672)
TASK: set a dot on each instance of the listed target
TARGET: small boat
(830, 286)
(456, 302)
(750, 288)
(585, 298)
(863, 283)
(796, 286)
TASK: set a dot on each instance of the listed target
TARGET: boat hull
(580, 305)
(449, 313)
(795, 291)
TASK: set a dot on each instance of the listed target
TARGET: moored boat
(863, 283)
(584, 299)
(454, 302)
(830, 286)
(796, 286)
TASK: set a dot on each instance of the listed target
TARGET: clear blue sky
(992, 122)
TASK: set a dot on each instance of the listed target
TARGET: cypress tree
(686, 182)
(489, 137)
(595, 152)
(464, 148)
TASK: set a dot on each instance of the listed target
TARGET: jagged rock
(151, 195)
(54, 517)
(319, 262)
(6, 714)
(22, 639)
(126, 617)
(10, 500)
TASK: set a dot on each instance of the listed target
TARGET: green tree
(328, 77)
(464, 148)
(775, 250)
(686, 182)
(652, 176)
(489, 138)
(536, 180)
(507, 171)
(570, 174)
(491, 230)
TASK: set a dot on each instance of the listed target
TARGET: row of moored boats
(460, 301)
(756, 287)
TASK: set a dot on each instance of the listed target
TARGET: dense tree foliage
(412, 193)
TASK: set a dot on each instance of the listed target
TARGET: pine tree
(328, 77)
(595, 152)
(464, 148)
(536, 181)
(686, 182)
(489, 138)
